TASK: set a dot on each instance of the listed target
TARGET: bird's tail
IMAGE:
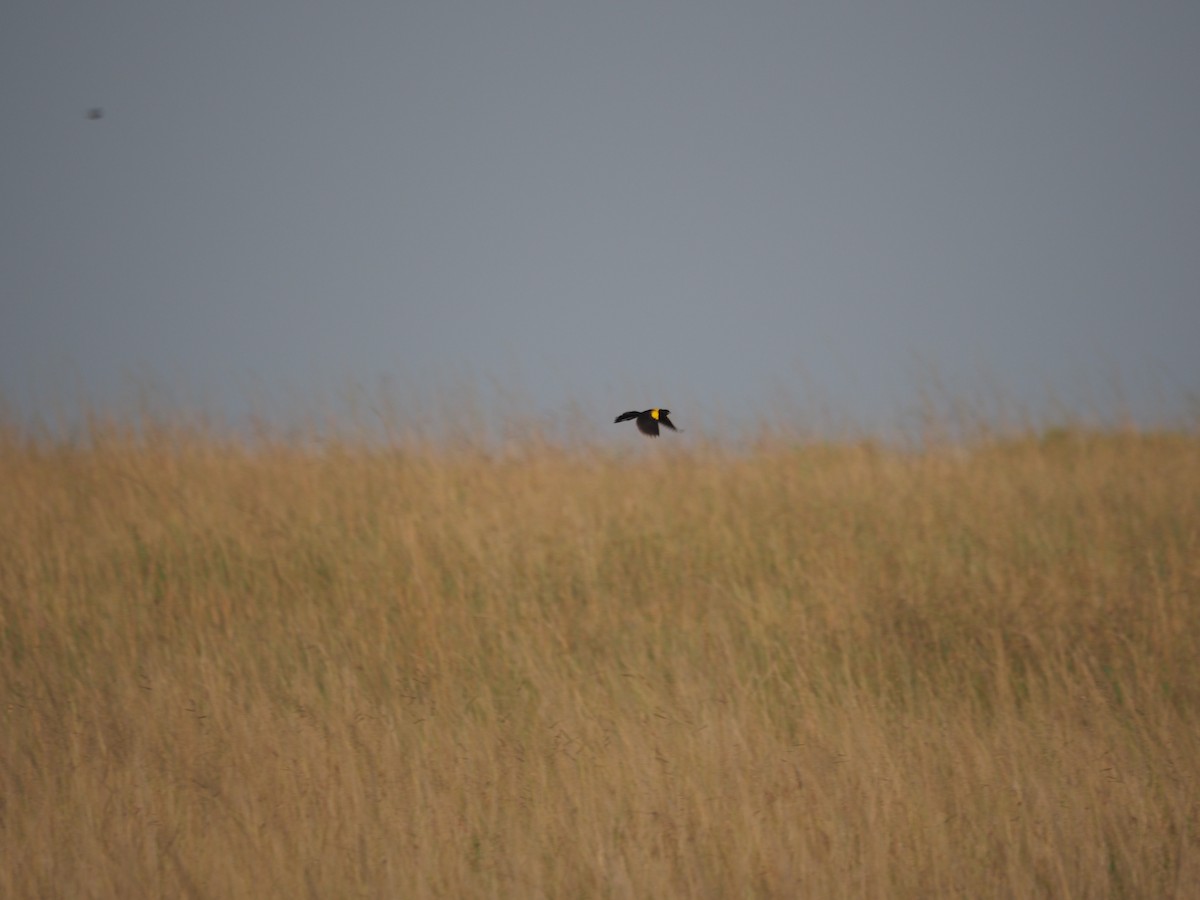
(626, 416)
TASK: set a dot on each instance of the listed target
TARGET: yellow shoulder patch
(654, 414)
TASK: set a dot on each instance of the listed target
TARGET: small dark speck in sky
(95, 113)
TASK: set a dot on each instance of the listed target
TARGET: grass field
(798, 670)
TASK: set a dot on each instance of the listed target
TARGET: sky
(740, 211)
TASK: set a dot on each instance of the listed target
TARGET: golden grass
(804, 670)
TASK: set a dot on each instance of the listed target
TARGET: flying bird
(648, 420)
(95, 113)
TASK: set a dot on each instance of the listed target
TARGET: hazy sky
(701, 205)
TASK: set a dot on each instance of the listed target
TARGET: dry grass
(799, 671)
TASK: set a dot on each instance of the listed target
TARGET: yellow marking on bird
(654, 414)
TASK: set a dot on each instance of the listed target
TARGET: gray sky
(708, 206)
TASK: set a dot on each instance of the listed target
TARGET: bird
(648, 420)
(95, 113)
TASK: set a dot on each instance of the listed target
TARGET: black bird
(648, 420)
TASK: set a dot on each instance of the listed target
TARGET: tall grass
(803, 670)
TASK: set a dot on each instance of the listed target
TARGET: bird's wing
(647, 425)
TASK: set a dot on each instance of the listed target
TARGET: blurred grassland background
(340, 666)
